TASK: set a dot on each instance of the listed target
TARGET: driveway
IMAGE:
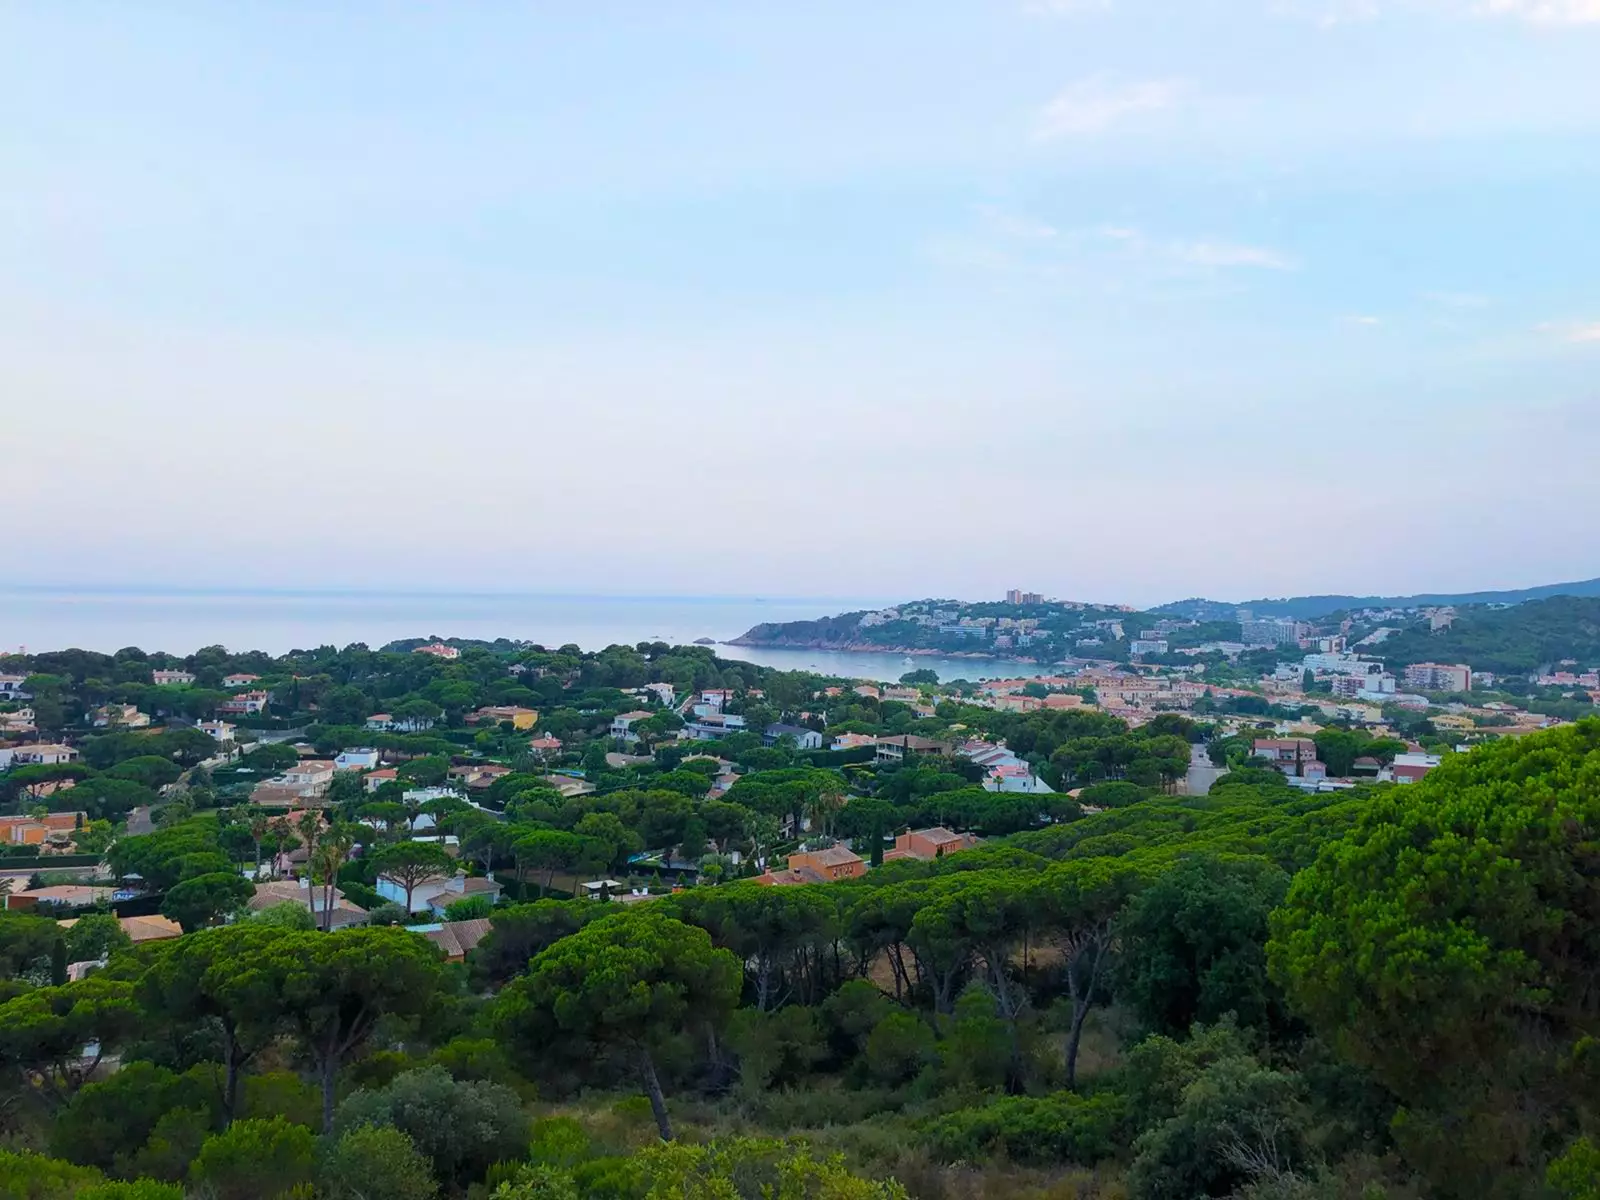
(1201, 773)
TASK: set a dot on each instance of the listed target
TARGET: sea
(182, 621)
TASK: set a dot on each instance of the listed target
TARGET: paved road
(1201, 773)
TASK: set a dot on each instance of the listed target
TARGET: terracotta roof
(142, 929)
(456, 938)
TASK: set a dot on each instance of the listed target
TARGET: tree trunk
(652, 1088)
(326, 1072)
(230, 1075)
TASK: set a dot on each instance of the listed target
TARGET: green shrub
(34, 1177)
(1044, 1130)
(898, 1047)
(255, 1160)
(370, 1161)
(462, 1127)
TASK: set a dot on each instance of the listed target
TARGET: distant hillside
(1310, 607)
(1506, 640)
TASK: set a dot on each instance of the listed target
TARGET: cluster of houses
(1296, 758)
(833, 863)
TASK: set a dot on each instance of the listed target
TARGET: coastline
(870, 648)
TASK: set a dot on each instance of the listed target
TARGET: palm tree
(309, 826)
(329, 856)
(281, 833)
(259, 828)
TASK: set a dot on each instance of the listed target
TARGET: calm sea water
(180, 622)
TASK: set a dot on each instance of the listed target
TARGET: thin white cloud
(1330, 13)
(1091, 106)
(1232, 254)
(1204, 253)
(1572, 332)
(1063, 8)
(1460, 300)
(1015, 225)
(1363, 319)
(1546, 12)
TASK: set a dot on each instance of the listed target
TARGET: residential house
(386, 723)
(1289, 755)
(929, 844)
(1017, 702)
(714, 725)
(66, 895)
(478, 775)
(363, 759)
(715, 698)
(234, 682)
(440, 892)
(172, 678)
(221, 731)
(622, 724)
(867, 690)
(245, 704)
(11, 688)
(456, 938)
(309, 896)
(36, 831)
(522, 719)
(1410, 767)
(1014, 778)
(663, 692)
(907, 746)
(140, 929)
(47, 754)
(438, 650)
(804, 739)
(852, 741)
(817, 866)
(376, 779)
(545, 747)
(20, 721)
(123, 716)
(304, 782)
(1064, 700)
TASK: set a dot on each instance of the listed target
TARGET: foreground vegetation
(1259, 993)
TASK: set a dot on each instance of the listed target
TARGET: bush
(898, 1047)
(1039, 1131)
(289, 914)
(471, 908)
(34, 1177)
(95, 936)
(775, 1048)
(370, 1161)
(139, 1189)
(1115, 794)
(463, 1128)
(385, 913)
(1235, 1115)
(255, 1160)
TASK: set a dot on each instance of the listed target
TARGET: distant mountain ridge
(1310, 607)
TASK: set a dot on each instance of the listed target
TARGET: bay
(181, 621)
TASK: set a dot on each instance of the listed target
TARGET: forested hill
(824, 631)
(1310, 607)
(1506, 640)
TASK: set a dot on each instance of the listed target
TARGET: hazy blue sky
(1117, 299)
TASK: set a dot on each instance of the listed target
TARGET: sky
(1110, 299)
